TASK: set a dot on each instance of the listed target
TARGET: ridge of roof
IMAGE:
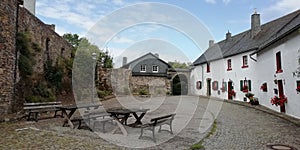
(243, 42)
(137, 59)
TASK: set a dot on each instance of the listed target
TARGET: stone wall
(155, 86)
(8, 15)
(52, 44)
(15, 19)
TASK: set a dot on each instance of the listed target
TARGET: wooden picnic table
(69, 110)
(122, 114)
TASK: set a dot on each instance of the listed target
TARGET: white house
(242, 63)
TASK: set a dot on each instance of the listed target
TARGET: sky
(178, 30)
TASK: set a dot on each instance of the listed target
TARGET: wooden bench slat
(35, 108)
(158, 121)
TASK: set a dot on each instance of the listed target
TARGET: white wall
(266, 68)
(218, 72)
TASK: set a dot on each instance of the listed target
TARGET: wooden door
(208, 87)
(230, 90)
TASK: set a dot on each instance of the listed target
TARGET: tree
(178, 64)
(83, 44)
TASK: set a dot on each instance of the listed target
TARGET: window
(143, 68)
(198, 85)
(154, 68)
(47, 48)
(278, 63)
(245, 85)
(229, 65)
(208, 67)
(62, 52)
(245, 62)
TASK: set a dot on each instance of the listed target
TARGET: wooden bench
(158, 121)
(33, 109)
(97, 117)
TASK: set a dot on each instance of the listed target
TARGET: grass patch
(199, 145)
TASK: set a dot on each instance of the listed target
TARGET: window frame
(278, 62)
(143, 68)
(245, 61)
(229, 65)
(157, 68)
(208, 67)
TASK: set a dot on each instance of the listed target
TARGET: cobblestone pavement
(240, 127)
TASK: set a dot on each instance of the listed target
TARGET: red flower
(278, 100)
(245, 89)
(232, 93)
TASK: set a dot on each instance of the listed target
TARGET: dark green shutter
(249, 85)
(241, 85)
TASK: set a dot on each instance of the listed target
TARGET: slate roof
(241, 43)
(142, 58)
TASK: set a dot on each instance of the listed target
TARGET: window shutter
(249, 85)
(225, 86)
(241, 85)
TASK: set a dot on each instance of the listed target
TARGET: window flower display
(279, 100)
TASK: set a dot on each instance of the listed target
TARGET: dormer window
(143, 68)
(154, 68)
(245, 61)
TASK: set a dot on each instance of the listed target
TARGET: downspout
(16, 57)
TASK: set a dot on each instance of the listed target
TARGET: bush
(143, 92)
(103, 93)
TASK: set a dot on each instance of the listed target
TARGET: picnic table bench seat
(158, 121)
(33, 109)
(94, 117)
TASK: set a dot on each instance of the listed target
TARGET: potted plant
(279, 101)
(252, 99)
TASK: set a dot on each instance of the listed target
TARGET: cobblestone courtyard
(238, 127)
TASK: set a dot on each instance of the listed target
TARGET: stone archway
(179, 85)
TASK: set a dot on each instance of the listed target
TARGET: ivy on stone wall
(26, 61)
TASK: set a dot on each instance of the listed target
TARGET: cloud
(211, 1)
(280, 8)
(226, 1)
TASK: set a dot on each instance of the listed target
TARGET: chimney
(157, 55)
(124, 61)
(255, 24)
(30, 6)
(228, 35)
(211, 43)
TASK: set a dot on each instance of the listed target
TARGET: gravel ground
(238, 127)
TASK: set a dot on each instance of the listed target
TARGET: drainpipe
(16, 56)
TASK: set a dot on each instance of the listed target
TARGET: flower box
(279, 101)
(245, 89)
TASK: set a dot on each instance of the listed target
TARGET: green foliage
(86, 49)
(26, 59)
(143, 92)
(53, 74)
(103, 93)
(40, 93)
(178, 64)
